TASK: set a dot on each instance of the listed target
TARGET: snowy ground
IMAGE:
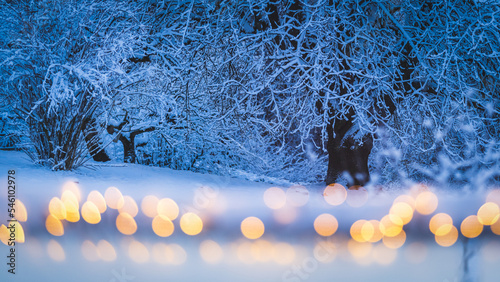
(289, 250)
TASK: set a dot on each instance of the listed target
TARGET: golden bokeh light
(55, 251)
(403, 210)
(211, 252)
(440, 224)
(162, 226)
(98, 199)
(495, 227)
(149, 206)
(377, 234)
(359, 249)
(274, 198)
(395, 242)
(448, 239)
(114, 198)
(488, 213)
(405, 199)
(69, 196)
(252, 227)
(89, 251)
(129, 206)
(326, 224)
(126, 224)
(4, 234)
(297, 195)
(74, 189)
(106, 251)
(168, 207)
(57, 208)
(391, 225)
(54, 226)
(426, 202)
(384, 255)
(72, 212)
(284, 253)
(191, 224)
(356, 230)
(357, 196)
(335, 194)
(90, 213)
(367, 231)
(21, 213)
(138, 252)
(262, 250)
(471, 227)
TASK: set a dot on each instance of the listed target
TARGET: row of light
(20, 215)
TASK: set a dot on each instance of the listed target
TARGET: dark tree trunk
(128, 148)
(93, 141)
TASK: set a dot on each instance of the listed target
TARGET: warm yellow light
(98, 199)
(326, 224)
(114, 198)
(395, 242)
(297, 195)
(356, 230)
(162, 226)
(405, 199)
(284, 253)
(426, 202)
(252, 227)
(359, 249)
(55, 251)
(495, 227)
(129, 206)
(21, 213)
(149, 206)
(262, 250)
(90, 213)
(367, 231)
(211, 252)
(356, 196)
(471, 227)
(138, 252)
(106, 251)
(126, 224)
(89, 251)
(74, 189)
(191, 223)
(488, 213)
(335, 194)
(72, 213)
(168, 207)
(402, 210)
(377, 234)
(274, 198)
(440, 224)
(69, 196)
(448, 239)
(57, 208)
(54, 226)
(4, 234)
(391, 225)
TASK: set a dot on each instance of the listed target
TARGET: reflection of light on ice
(106, 251)
(55, 251)
(211, 252)
(89, 251)
(137, 252)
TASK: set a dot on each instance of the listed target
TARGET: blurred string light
(57, 208)
(426, 202)
(325, 224)
(21, 214)
(162, 226)
(71, 205)
(129, 206)
(471, 227)
(54, 226)
(384, 255)
(448, 239)
(114, 198)
(149, 206)
(168, 208)
(55, 251)
(488, 213)
(126, 224)
(90, 213)
(72, 187)
(395, 242)
(440, 224)
(191, 224)
(252, 227)
(4, 234)
(335, 194)
(98, 199)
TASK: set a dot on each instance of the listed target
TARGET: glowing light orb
(54, 226)
(284, 253)
(488, 213)
(129, 206)
(357, 196)
(440, 224)
(90, 213)
(18, 232)
(391, 225)
(367, 231)
(74, 189)
(405, 199)
(326, 224)
(126, 224)
(356, 230)
(274, 198)
(252, 227)
(297, 195)
(138, 252)
(55, 251)
(114, 198)
(168, 207)
(21, 213)
(106, 251)
(162, 226)
(377, 234)
(495, 227)
(72, 212)
(426, 203)
(211, 252)
(448, 239)
(98, 199)
(4, 234)
(395, 242)
(89, 251)
(191, 224)
(149, 206)
(402, 210)
(69, 196)
(57, 208)
(335, 194)
(471, 227)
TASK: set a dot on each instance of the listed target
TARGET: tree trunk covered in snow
(93, 141)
